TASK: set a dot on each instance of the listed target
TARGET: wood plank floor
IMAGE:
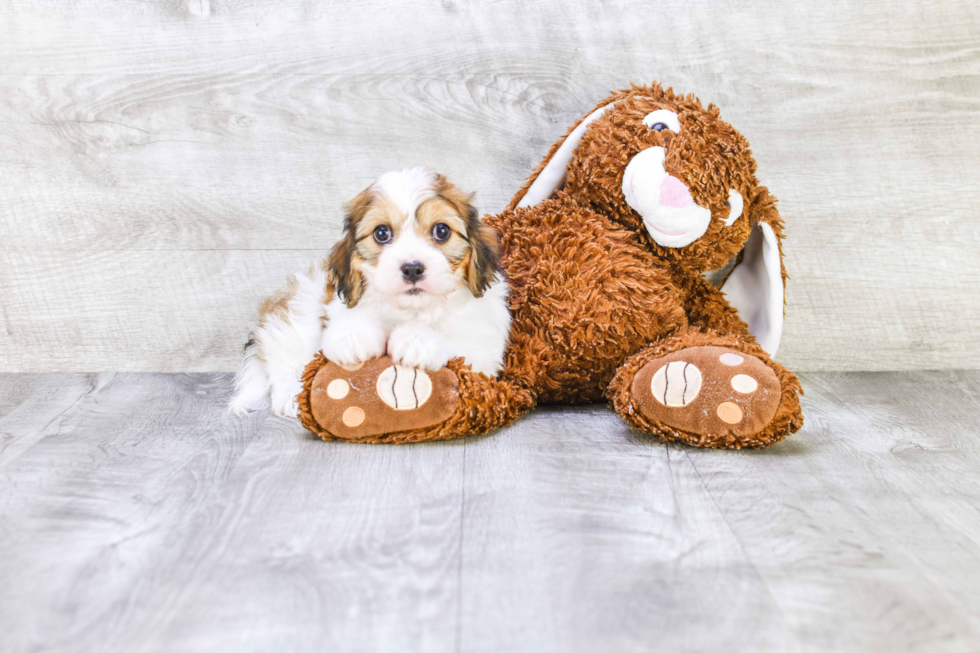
(136, 515)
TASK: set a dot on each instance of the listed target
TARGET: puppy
(415, 275)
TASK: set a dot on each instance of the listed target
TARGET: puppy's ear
(343, 271)
(344, 265)
(484, 263)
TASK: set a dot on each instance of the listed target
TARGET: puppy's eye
(658, 127)
(441, 233)
(382, 234)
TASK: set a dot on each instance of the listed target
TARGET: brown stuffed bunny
(611, 250)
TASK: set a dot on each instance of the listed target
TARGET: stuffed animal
(645, 265)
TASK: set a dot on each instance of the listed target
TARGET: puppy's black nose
(413, 271)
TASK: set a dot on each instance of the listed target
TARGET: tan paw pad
(744, 383)
(731, 359)
(338, 389)
(353, 416)
(729, 413)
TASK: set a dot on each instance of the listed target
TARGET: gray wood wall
(164, 165)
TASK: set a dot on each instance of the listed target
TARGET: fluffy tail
(251, 383)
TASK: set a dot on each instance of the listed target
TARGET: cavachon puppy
(415, 275)
(644, 262)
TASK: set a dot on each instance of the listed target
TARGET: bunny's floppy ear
(756, 283)
(550, 175)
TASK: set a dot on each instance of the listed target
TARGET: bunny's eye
(662, 119)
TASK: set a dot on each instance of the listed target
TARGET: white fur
(424, 330)
(280, 349)
(408, 187)
(426, 336)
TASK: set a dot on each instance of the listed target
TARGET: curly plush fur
(594, 298)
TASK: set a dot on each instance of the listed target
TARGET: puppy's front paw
(348, 346)
(415, 346)
(283, 397)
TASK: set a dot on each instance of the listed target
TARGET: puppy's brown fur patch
(344, 262)
(481, 263)
(278, 304)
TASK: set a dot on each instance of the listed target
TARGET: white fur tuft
(408, 187)
(251, 384)
(280, 348)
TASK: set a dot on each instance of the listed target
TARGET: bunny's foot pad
(372, 399)
(708, 391)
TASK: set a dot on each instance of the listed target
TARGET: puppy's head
(413, 238)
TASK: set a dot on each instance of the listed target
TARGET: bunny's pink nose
(674, 193)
